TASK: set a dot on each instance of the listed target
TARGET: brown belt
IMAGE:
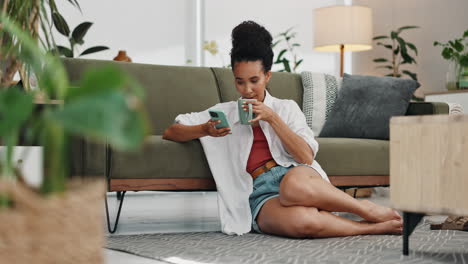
(266, 167)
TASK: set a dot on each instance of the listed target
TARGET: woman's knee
(294, 188)
(308, 224)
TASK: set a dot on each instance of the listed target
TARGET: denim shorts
(265, 187)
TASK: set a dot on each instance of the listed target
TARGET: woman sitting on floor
(266, 173)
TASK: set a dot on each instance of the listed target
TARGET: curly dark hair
(251, 42)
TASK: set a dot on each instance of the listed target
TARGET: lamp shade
(350, 26)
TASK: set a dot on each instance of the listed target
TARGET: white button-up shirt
(227, 156)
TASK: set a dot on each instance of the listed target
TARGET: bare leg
(300, 221)
(304, 186)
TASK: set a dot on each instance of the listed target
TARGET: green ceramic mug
(245, 116)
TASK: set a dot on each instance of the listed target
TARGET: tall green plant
(287, 38)
(33, 17)
(400, 51)
(105, 107)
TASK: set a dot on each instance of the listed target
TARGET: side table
(428, 167)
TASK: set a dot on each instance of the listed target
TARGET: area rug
(426, 246)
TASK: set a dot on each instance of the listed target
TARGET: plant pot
(452, 76)
(463, 79)
(61, 228)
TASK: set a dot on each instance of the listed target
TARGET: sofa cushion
(365, 105)
(320, 93)
(353, 156)
(161, 159)
(282, 85)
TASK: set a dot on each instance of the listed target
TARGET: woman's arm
(293, 143)
(182, 133)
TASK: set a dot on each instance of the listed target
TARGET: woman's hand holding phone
(211, 130)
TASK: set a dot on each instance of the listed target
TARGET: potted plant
(75, 37)
(287, 39)
(456, 52)
(401, 51)
(62, 221)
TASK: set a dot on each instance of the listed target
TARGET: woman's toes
(397, 215)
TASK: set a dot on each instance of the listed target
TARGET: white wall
(153, 31)
(150, 31)
(276, 16)
(440, 20)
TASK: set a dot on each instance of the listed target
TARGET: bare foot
(378, 214)
(392, 227)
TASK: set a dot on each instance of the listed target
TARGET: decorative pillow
(320, 93)
(365, 105)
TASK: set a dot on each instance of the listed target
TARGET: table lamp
(343, 28)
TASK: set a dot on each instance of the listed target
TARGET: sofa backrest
(282, 85)
(172, 90)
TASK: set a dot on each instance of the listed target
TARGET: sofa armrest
(427, 108)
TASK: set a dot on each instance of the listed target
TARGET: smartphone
(219, 115)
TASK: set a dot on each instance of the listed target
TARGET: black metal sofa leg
(118, 213)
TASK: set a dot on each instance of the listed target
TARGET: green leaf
(457, 45)
(413, 76)
(402, 44)
(80, 31)
(447, 53)
(298, 63)
(407, 58)
(413, 47)
(275, 43)
(279, 59)
(380, 60)
(380, 37)
(286, 65)
(65, 51)
(436, 43)
(465, 34)
(394, 35)
(464, 60)
(385, 67)
(397, 50)
(385, 45)
(15, 109)
(60, 24)
(406, 27)
(107, 116)
(94, 49)
(296, 45)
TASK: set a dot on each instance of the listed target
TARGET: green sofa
(167, 165)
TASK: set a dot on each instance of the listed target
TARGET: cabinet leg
(410, 221)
